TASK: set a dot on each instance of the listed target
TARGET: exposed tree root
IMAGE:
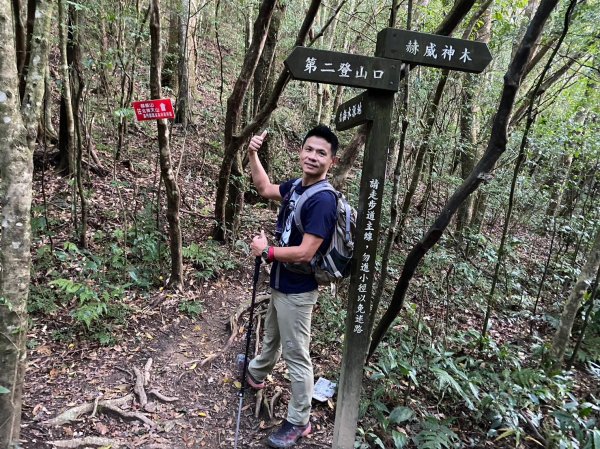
(138, 388)
(142, 380)
(74, 413)
(161, 397)
(87, 441)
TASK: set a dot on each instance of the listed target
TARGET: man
(288, 319)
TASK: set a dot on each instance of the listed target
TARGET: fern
(445, 381)
(435, 435)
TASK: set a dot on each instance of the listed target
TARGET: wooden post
(358, 327)
(381, 76)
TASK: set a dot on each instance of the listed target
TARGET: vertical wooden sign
(358, 327)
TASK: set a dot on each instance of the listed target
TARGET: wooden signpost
(381, 76)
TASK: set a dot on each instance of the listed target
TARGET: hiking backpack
(335, 263)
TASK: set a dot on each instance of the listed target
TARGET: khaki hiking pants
(287, 331)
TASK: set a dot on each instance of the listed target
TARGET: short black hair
(325, 133)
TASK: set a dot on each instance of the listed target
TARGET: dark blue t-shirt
(318, 216)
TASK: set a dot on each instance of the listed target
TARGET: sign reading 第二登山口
(346, 69)
(153, 109)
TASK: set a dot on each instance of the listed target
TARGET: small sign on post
(153, 109)
(433, 50)
(346, 69)
(354, 112)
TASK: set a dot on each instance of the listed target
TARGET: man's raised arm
(259, 175)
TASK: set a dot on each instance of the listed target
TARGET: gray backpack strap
(316, 188)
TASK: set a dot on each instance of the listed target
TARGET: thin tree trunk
(560, 340)
(169, 75)
(495, 148)
(233, 117)
(78, 86)
(67, 131)
(468, 129)
(398, 156)
(520, 159)
(430, 116)
(166, 168)
(234, 142)
(586, 319)
(263, 84)
(183, 96)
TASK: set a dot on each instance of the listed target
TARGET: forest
(126, 271)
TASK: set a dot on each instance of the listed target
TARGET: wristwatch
(265, 254)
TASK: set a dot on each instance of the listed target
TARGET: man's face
(316, 157)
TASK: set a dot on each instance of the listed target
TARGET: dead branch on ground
(88, 441)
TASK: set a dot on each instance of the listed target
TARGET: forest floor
(64, 375)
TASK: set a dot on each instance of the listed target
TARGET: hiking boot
(288, 434)
(253, 382)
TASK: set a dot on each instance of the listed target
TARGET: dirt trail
(64, 375)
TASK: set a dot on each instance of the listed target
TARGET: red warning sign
(153, 109)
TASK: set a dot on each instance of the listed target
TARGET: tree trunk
(495, 148)
(20, 35)
(233, 141)
(430, 116)
(233, 118)
(67, 127)
(571, 306)
(264, 81)
(16, 171)
(397, 158)
(169, 75)
(183, 95)
(78, 87)
(468, 129)
(166, 169)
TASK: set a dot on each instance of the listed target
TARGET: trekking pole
(248, 334)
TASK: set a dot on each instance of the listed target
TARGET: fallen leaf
(101, 428)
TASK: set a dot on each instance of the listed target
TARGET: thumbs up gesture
(257, 141)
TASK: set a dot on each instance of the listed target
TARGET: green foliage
(90, 306)
(4, 390)
(193, 309)
(435, 434)
(209, 258)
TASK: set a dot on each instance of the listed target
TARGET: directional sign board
(354, 112)
(321, 66)
(153, 109)
(433, 50)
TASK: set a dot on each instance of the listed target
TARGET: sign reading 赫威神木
(330, 67)
(153, 109)
(433, 50)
